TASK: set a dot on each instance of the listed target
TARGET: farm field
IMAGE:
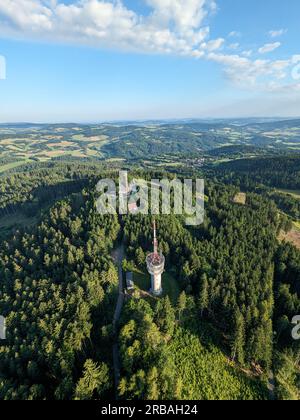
(48, 143)
(158, 145)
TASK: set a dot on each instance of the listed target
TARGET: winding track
(118, 256)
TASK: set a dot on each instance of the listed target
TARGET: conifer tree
(204, 296)
(238, 338)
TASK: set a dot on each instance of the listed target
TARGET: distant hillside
(43, 142)
(273, 125)
(278, 172)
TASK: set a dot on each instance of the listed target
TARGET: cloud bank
(173, 26)
(267, 48)
(277, 33)
(177, 27)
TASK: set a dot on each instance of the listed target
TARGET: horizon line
(115, 121)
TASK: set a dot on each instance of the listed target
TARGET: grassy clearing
(93, 139)
(240, 198)
(12, 165)
(293, 236)
(297, 224)
(293, 193)
(169, 283)
(17, 220)
(171, 287)
(115, 160)
(62, 144)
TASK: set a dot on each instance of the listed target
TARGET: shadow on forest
(42, 197)
(211, 339)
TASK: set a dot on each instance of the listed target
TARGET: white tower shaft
(156, 266)
(156, 284)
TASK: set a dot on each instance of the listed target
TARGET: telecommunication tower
(156, 266)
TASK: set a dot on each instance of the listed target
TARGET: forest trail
(271, 385)
(118, 256)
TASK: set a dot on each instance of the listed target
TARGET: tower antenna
(155, 241)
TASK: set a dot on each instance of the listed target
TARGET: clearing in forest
(293, 236)
(169, 283)
(240, 198)
(293, 193)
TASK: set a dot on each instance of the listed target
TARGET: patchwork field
(157, 144)
(44, 144)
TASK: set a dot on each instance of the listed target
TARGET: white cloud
(186, 14)
(277, 33)
(234, 34)
(247, 53)
(267, 48)
(176, 27)
(172, 27)
(265, 75)
(234, 46)
(25, 14)
(213, 45)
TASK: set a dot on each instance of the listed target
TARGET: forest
(227, 268)
(58, 288)
(276, 172)
(226, 331)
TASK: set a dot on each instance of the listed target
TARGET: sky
(95, 60)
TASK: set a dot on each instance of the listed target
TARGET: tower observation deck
(156, 266)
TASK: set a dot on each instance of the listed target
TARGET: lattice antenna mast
(155, 241)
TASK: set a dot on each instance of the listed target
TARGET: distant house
(129, 281)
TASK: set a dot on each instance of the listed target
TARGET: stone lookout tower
(156, 266)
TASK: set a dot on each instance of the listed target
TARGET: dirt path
(271, 385)
(118, 256)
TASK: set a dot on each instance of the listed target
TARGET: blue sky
(90, 60)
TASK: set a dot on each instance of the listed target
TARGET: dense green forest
(279, 172)
(227, 268)
(58, 288)
(277, 178)
(228, 328)
(168, 353)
